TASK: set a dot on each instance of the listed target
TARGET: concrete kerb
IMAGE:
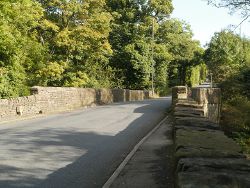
(130, 155)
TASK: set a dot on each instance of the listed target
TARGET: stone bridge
(203, 155)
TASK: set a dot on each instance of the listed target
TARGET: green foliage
(77, 35)
(11, 83)
(228, 53)
(227, 57)
(243, 139)
(20, 50)
(94, 43)
(236, 115)
(184, 52)
(236, 120)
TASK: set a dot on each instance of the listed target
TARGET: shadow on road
(70, 157)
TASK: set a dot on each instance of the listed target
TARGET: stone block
(213, 173)
(104, 96)
(179, 92)
(119, 95)
(146, 94)
(205, 143)
(195, 123)
(206, 95)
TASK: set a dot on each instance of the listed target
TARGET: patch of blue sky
(205, 19)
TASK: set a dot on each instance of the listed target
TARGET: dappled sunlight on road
(73, 148)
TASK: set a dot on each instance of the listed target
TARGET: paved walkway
(153, 164)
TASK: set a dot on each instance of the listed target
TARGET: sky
(205, 19)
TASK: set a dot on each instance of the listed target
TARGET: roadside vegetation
(95, 43)
(230, 54)
(228, 58)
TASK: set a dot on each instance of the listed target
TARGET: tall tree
(226, 55)
(77, 35)
(177, 37)
(20, 49)
(131, 38)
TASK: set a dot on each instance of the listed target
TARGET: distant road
(76, 149)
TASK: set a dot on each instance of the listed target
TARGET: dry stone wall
(46, 100)
(205, 156)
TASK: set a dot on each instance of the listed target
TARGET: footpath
(152, 165)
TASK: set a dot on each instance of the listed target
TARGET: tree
(76, 33)
(177, 37)
(20, 49)
(226, 55)
(131, 39)
(234, 5)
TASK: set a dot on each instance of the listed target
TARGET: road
(74, 149)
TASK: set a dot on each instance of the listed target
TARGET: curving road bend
(75, 149)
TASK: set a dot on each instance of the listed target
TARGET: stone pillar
(210, 98)
(179, 92)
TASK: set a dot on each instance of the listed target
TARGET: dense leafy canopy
(228, 53)
(95, 43)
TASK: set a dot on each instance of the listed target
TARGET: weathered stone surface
(207, 143)
(104, 96)
(136, 95)
(198, 123)
(197, 118)
(206, 157)
(188, 114)
(57, 99)
(206, 95)
(187, 109)
(213, 173)
(179, 92)
(210, 98)
(187, 101)
(119, 95)
(191, 105)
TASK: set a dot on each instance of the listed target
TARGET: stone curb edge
(130, 155)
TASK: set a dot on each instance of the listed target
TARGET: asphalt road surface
(75, 149)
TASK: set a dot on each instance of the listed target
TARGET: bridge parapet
(58, 99)
(179, 92)
(208, 98)
(205, 156)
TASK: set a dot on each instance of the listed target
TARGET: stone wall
(179, 92)
(205, 156)
(46, 100)
(208, 98)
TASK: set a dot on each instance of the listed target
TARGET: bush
(236, 115)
